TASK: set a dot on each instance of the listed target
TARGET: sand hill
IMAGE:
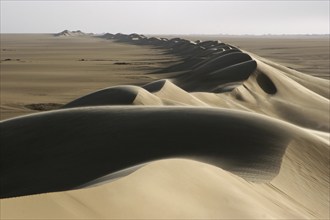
(67, 33)
(225, 134)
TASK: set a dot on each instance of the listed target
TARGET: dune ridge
(263, 127)
(67, 33)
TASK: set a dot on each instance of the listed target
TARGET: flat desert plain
(41, 68)
(140, 127)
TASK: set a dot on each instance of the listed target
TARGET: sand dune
(67, 33)
(250, 139)
(114, 138)
(174, 188)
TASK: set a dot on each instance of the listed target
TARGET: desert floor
(48, 69)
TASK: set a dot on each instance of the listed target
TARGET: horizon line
(214, 34)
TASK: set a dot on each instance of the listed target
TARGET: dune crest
(67, 33)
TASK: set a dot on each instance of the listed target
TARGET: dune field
(119, 126)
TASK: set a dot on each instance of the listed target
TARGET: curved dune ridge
(224, 134)
(67, 33)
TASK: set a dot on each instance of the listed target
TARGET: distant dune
(225, 134)
(67, 33)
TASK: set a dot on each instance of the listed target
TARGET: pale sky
(166, 17)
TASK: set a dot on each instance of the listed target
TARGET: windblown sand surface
(308, 54)
(43, 69)
(164, 128)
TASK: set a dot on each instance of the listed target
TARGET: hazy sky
(166, 17)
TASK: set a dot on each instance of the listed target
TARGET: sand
(306, 53)
(59, 69)
(208, 132)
